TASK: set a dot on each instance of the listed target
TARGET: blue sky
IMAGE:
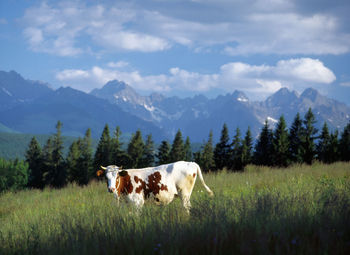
(182, 48)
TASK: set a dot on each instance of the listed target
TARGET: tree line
(301, 143)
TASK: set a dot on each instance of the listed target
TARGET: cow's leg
(186, 202)
(185, 189)
(137, 201)
(185, 195)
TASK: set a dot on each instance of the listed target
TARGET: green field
(299, 210)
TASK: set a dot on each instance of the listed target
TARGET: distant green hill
(14, 145)
(5, 129)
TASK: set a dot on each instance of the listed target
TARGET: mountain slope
(32, 107)
(336, 114)
(198, 115)
(15, 90)
(77, 110)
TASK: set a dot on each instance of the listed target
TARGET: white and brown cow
(161, 183)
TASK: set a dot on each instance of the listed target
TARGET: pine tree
(103, 150)
(263, 147)
(135, 150)
(197, 157)
(323, 144)
(333, 150)
(148, 152)
(79, 160)
(188, 150)
(222, 150)
(86, 160)
(308, 138)
(344, 144)
(206, 158)
(53, 162)
(177, 152)
(280, 144)
(47, 161)
(72, 162)
(236, 152)
(57, 175)
(118, 156)
(34, 159)
(295, 140)
(247, 148)
(163, 154)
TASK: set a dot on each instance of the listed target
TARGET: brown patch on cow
(142, 184)
(154, 186)
(123, 185)
(194, 175)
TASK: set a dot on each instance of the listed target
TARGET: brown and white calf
(160, 184)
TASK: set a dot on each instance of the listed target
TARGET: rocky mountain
(33, 107)
(198, 115)
(15, 90)
(288, 103)
(41, 109)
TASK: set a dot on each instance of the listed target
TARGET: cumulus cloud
(305, 69)
(238, 27)
(71, 28)
(96, 77)
(258, 80)
(290, 33)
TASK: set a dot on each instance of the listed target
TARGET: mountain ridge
(117, 103)
(193, 113)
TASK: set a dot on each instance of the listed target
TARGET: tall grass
(299, 210)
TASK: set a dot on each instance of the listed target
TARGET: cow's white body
(160, 184)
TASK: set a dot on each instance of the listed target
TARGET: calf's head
(112, 173)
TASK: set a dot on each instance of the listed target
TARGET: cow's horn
(104, 168)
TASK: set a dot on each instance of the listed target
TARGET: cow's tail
(199, 173)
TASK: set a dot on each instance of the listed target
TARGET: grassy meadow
(298, 210)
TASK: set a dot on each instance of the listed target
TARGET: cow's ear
(99, 173)
(123, 173)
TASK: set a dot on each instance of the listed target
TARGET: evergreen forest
(281, 146)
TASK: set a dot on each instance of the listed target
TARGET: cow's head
(112, 173)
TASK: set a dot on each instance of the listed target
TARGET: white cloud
(268, 86)
(72, 74)
(71, 28)
(289, 33)
(239, 69)
(96, 77)
(305, 69)
(258, 80)
(238, 27)
(118, 64)
(134, 41)
(34, 35)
